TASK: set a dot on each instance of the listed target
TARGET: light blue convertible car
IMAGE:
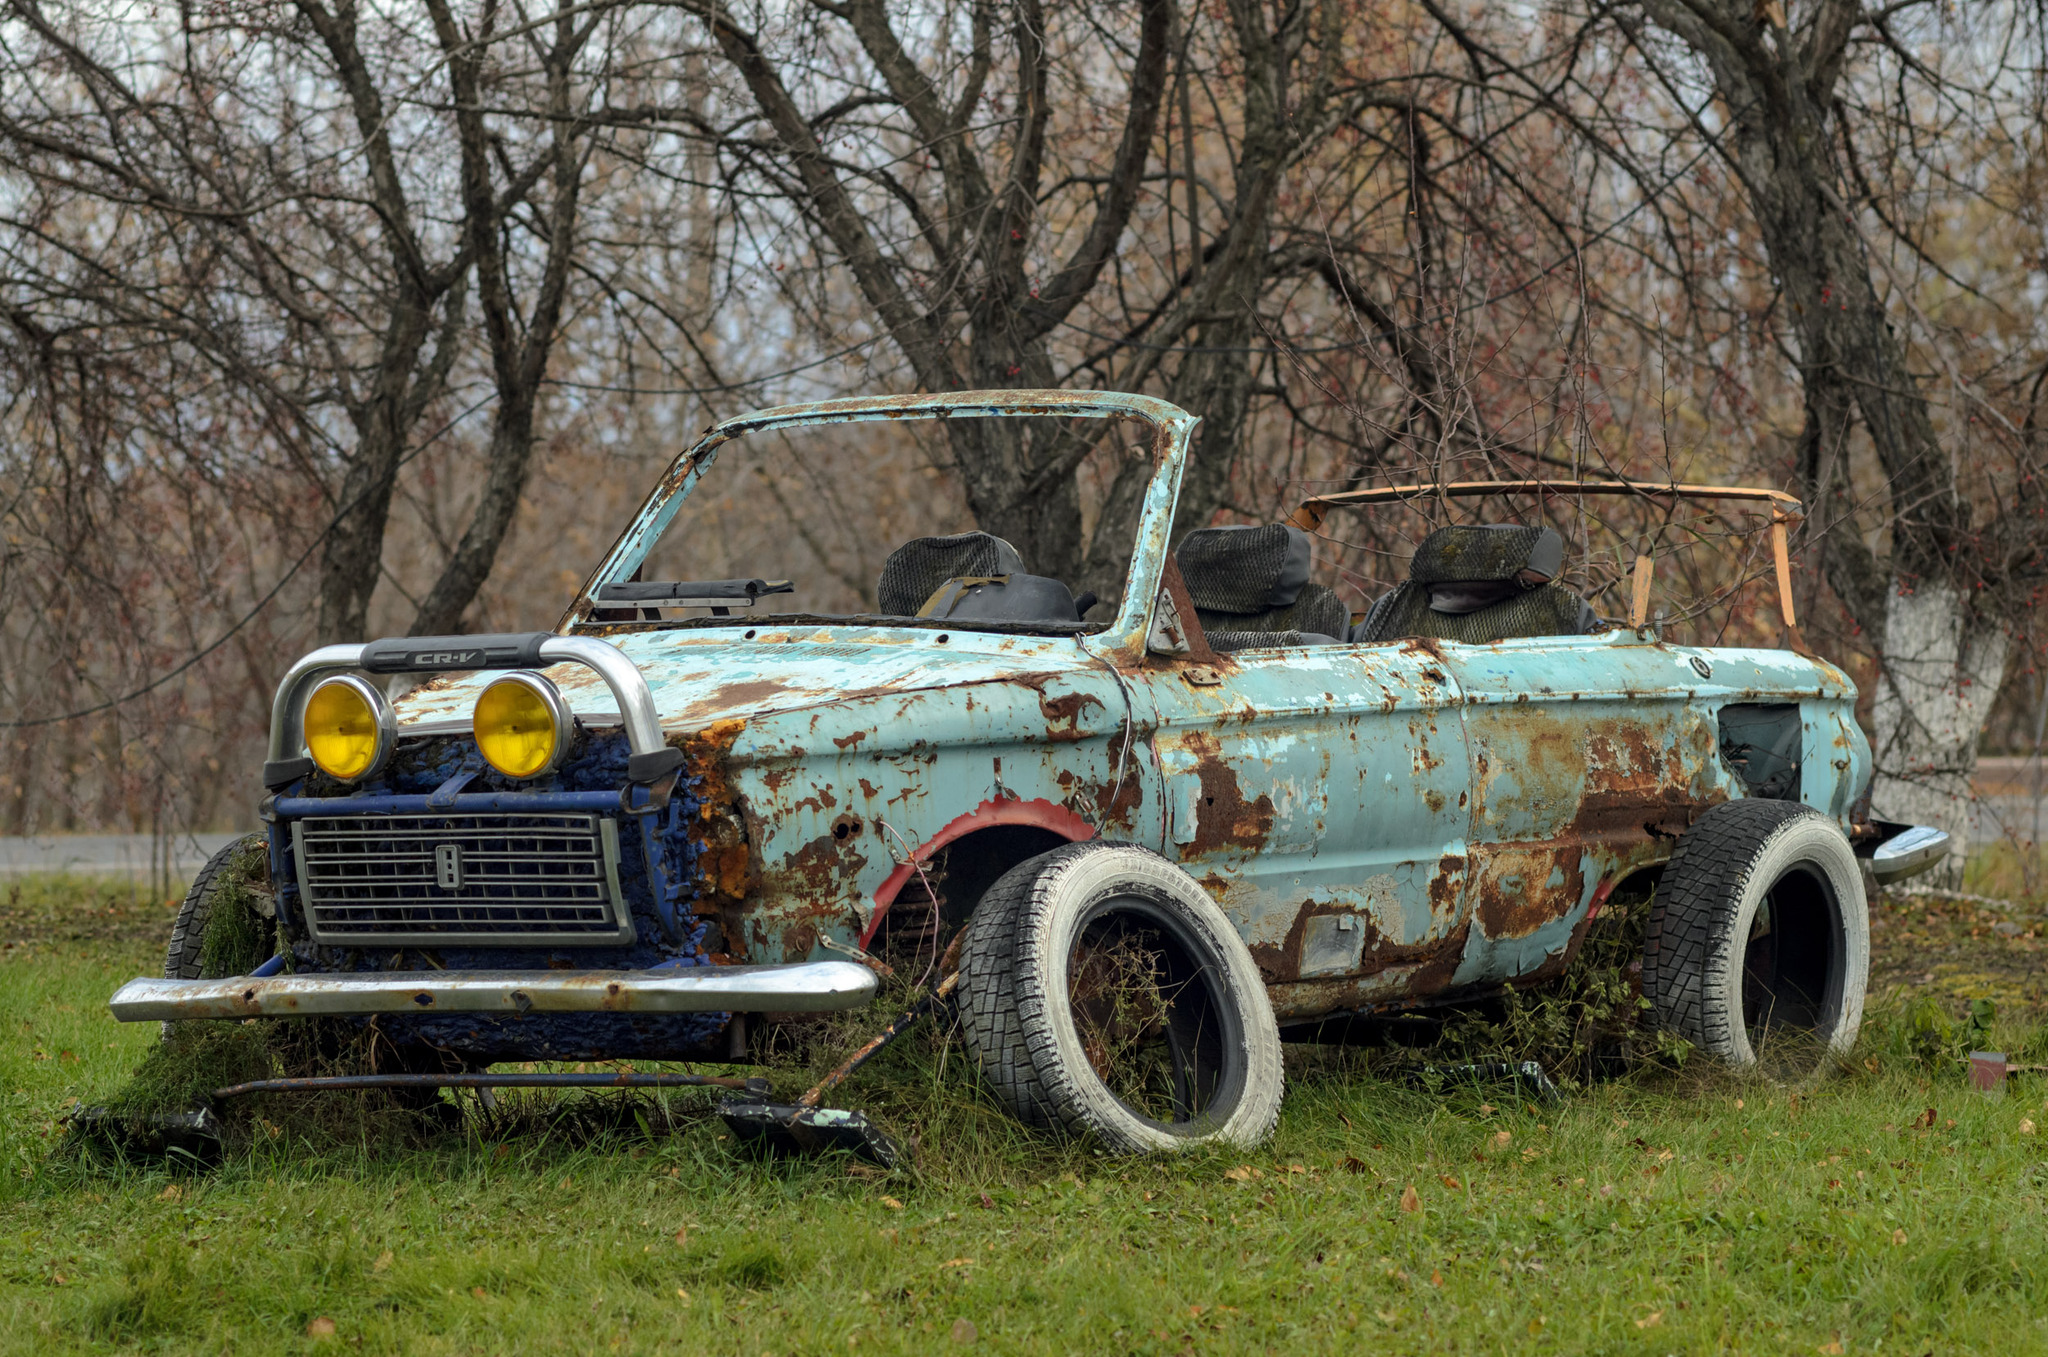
(1132, 849)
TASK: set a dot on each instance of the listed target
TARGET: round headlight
(522, 725)
(349, 728)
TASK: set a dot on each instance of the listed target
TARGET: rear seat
(1250, 588)
(1480, 583)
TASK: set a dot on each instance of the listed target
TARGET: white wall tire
(1111, 974)
(1758, 946)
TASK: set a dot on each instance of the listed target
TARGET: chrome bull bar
(651, 757)
(804, 987)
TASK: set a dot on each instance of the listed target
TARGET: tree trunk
(1942, 655)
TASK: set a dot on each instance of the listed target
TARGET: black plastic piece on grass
(193, 1137)
(778, 1128)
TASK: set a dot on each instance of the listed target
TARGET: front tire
(241, 865)
(1758, 946)
(1103, 992)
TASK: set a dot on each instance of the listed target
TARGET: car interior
(1250, 585)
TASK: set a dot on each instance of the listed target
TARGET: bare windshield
(873, 520)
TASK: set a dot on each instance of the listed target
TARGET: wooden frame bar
(1784, 509)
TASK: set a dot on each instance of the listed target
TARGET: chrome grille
(444, 879)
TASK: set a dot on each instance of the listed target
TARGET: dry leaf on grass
(1409, 1200)
(323, 1327)
(892, 1203)
(1651, 1320)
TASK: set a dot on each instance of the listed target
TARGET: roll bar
(651, 758)
(1784, 509)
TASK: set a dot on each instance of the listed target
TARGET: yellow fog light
(349, 728)
(522, 725)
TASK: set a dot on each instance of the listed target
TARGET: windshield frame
(1171, 429)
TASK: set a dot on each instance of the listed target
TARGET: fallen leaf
(1831, 1349)
(1487, 1109)
(1436, 1279)
(479, 1293)
(2026, 1126)
(171, 1193)
(682, 1236)
(1242, 1173)
(681, 1294)
(1503, 1138)
(1898, 1238)
(59, 1278)
(1353, 1164)
(1926, 1120)
(1452, 1183)
(1296, 1168)
(383, 1263)
(1738, 1104)
(323, 1327)
(964, 1331)
(1409, 1201)
(957, 1262)
(1651, 1320)
(988, 1203)
(66, 1058)
(892, 1203)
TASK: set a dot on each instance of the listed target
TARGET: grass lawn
(1890, 1209)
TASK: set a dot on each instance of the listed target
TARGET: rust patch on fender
(1223, 818)
(724, 871)
(1525, 887)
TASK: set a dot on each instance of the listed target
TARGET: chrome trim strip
(807, 987)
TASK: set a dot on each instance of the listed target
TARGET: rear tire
(1758, 946)
(1103, 992)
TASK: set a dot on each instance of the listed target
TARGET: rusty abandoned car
(1130, 849)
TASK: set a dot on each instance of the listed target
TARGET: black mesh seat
(1250, 587)
(1478, 583)
(916, 570)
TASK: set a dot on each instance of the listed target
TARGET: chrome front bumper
(807, 987)
(1908, 853)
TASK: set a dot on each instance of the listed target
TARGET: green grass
(1668, 1213)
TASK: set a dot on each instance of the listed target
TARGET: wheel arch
(995, 836)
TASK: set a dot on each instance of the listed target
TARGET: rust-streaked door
(1321, 794)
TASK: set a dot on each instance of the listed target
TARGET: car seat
(1478, 583)
(920, 567)
(972, 577)
(1250, 587)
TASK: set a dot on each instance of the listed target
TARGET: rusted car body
(1386, 825)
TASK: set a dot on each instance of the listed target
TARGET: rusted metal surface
(1384, 824)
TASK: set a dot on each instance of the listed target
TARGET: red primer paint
(1040, 813)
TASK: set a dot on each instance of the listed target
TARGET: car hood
(700, 676)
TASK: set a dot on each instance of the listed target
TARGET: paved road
(130, 855)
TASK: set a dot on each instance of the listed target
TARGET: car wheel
(1758, 944)
(183, 959)
(1102, 991)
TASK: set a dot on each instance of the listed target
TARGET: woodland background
(322, 320)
